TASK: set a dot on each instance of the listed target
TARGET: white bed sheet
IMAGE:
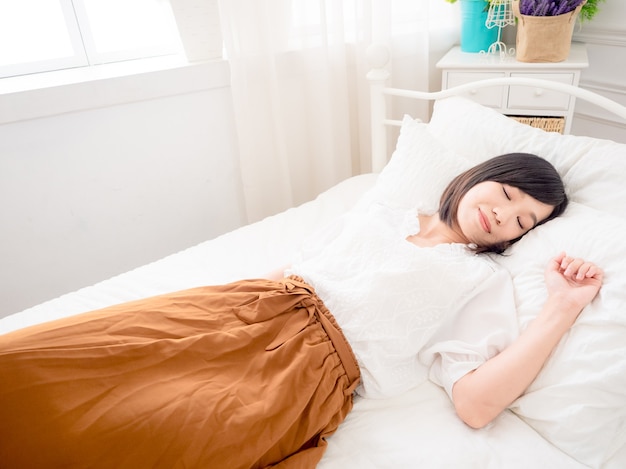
(417, 429)
(421, 430)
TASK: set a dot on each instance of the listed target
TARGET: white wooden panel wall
(605, 37)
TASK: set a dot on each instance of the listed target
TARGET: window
(45, 35)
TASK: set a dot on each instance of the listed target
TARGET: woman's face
(492, 212)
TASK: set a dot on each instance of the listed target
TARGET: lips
(484, 222)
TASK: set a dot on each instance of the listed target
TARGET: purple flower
(547, 7)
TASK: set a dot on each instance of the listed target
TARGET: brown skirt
(245, 375)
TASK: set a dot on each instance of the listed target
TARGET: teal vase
(475, 36)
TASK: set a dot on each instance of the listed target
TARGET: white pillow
(578, 401)
(418, 172)
(593, 169)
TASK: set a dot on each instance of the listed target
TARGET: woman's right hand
(573, 282)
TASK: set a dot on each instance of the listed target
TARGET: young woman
(259, 372)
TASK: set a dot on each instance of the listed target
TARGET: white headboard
(378, 75)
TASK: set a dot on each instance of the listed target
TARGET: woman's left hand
(574, 280)
(482, 394)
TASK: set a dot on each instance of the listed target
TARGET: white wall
(605, 36)
(91, 193)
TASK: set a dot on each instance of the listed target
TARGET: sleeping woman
(259, 372)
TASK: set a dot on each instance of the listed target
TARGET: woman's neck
(434, 231)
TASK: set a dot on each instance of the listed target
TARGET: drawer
(492, 96)
(528, 97)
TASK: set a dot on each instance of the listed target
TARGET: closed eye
(508, 197)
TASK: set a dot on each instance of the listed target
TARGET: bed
(574, 415)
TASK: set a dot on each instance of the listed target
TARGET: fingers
(559, 259)
(576, 268)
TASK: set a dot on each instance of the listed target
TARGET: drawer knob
(538, 92)
(473, 91)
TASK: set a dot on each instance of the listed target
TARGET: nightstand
(461, 67)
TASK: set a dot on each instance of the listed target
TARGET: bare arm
(482, 394)
(276, 274)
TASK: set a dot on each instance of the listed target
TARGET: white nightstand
(461, 67)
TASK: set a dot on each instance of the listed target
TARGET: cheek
(469, 227)
(462, 218)
(464, 207)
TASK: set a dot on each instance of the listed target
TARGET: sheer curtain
(299, 91)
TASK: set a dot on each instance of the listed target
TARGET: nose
(500, 215)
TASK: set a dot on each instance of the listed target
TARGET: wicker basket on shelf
(549, 124)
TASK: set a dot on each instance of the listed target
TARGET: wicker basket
(549, 124)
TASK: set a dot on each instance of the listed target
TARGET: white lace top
(408, 311)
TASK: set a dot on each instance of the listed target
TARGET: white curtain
(299, 91)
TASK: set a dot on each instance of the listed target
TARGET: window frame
(84, 49)
(97, 58)
(78, 59)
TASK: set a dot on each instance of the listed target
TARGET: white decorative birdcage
(500, 15)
